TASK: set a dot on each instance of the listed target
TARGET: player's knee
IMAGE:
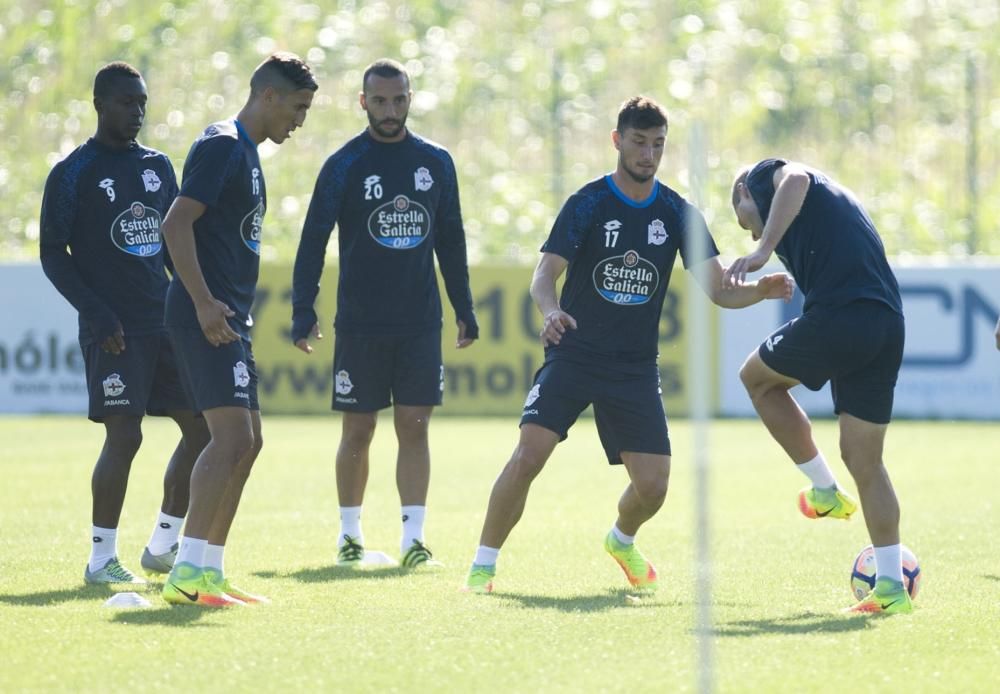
(652, 490)
(358, 434)
(124, 439)
(526, 463)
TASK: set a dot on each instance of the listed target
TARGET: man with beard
(394, 196)
(104, 203)
(618, 236)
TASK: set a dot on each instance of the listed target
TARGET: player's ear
(616, 138)
(362, 100)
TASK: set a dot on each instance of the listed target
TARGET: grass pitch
(560, 621)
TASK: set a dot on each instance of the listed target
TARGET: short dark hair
(285, 72)
(385, 67)
(640, 112)
(110, 73)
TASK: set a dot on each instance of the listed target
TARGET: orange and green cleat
(215, 576)
(638, 570)
(888, 597)
(480, 579)
(826, 503)
(188, 585)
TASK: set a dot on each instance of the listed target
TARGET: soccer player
(394, 196)
(213, 230)
(618, 237)
(850, 333)
(104, 203)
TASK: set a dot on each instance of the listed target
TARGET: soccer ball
(863, 572)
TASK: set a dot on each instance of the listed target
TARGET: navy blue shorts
(628, 408)
(223, 376)
(858, 348)
(141, 380)
(372, 372)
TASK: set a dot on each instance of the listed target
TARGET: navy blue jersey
(831, 248)
(396, 206)
(223, 172)
(620, 254)
(106, 205)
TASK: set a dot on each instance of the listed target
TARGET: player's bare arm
(778, 285)
(997, 334)
(178, 232)
(303, 342)
(791, 183)
(543, 291)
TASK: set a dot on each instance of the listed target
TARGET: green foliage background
(897, 99)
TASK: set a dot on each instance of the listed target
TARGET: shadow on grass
(54, 597)
(334, 573)
(180, 616)
(597, 602)
(992, 577)
(804, 623)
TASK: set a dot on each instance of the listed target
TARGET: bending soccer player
(618, 238)
(213, 230)
(394, 197)
(850, 333)
(104, 203)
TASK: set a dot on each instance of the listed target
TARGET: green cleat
(188, 585)
(638, 570)
(888, 597)
(350, 553)
(418, 554)
(215, 577)
(826, 503)
(480, 579)
(112, 572)
(159, 563)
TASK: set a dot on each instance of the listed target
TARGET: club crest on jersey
(626, 279)
(108, 186)
(251, 227)
(343, 382)
(399, 224)
(422, 179)
(241, 375)
(150, 180)
(137, 231)
(113, 386)
(657, 233)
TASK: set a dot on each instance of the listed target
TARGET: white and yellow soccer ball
(863, 572)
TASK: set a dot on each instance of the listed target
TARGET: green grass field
(559, 621)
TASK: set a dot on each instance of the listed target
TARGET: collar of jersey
(243, 133)
(629, 201)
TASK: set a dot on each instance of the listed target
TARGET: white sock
(104, 546)
(818, 471)
(622, 537)
(350, 524)
(486, 556)
(889, 563)
(413, 526)
(165, 534)
(192, 551)
(213, 557)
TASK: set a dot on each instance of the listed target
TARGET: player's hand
(462, 342)
(778, 285)
(115, 342)
(303, 342)
(736, 274)
(555, 325)
(998, 334)
(212, 317)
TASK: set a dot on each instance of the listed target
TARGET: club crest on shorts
(150, 181)
(241, 375)
(532, 395)
(113, 386)
(343, 382)
(422, 179)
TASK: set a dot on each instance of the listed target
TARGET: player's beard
(378, 127)
(635, 176)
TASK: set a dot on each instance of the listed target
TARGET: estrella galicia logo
(401, 223)
(251, 227)
(137, 230)
(626, 279)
